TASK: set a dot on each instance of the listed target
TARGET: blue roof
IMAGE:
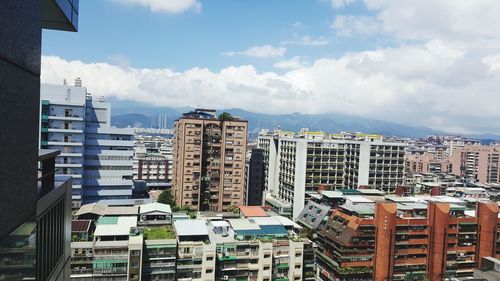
(273, 230)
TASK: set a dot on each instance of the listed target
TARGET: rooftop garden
(157, 233)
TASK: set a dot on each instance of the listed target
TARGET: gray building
(29, 206)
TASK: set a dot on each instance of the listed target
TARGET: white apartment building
(62, 125)
(97, 156)
(297, 164)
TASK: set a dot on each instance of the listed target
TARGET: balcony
(65, 118)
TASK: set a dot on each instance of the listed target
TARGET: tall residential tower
(209, 160)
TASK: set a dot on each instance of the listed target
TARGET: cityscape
(253, 172)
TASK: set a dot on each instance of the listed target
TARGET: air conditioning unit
(225, 277)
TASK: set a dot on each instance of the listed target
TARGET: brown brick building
(397, 241)
(209, 161)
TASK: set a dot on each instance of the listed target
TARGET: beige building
(427, 163)
(477, 162)
(209, 161)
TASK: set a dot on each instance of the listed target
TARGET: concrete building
(427, 163)
(478, 163)
(62, 127)
(35, 221)
(209, 161)
(297, 164)
(402, 238)
(258, 246)
(97, 156)
(153, 160)
(254, 183)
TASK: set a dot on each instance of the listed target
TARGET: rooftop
(155, 207)
(92, 208)
(115, 226)
(80, 225)
(121, 211)
(191, 227)
(253, 211)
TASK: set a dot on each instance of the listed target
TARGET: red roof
(253, 211)
(80, 225)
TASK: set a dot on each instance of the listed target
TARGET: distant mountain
(128, 113)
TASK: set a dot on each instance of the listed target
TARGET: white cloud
(470, 22)
(297, 24)
(340, 3)
(431, 84)
(307, 41)
(265, 51)
(292, 63)
(492, 61)
(169, 6)
(349, 25)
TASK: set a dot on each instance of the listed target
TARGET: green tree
(226, 116)
(166, 197)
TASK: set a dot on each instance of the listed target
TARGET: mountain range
(131, 113)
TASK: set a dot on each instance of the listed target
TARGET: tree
(226, 116)
(166, 197)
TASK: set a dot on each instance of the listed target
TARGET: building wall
(385, 228)
(20, 34)
(209, 163)
(478, 162)
(302, 165)
(255, 178)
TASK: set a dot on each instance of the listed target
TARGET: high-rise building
(62, 126)
(254, 183)
(297, 164)
(479, 163)
(35, 207)
(209, 160)
(97, 156)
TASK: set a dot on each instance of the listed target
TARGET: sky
(433, 63)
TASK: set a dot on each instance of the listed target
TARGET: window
(209, 270)
(210, 258)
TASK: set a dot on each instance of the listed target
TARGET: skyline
(371, 58)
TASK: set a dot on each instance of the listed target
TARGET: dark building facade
(255, 178)
(35, 231)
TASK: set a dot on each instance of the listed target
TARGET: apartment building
(477, 163)
(297, 164)
(427, 163)
(209, 161)
(254, 246)
(62, 127)
(97, 156)
(404, 238)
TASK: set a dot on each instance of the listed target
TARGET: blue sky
(110, 32)
(422, 63)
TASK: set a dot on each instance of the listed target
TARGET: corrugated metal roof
(190, 227)
(93, 208)
(80, 225)
(155, 207)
